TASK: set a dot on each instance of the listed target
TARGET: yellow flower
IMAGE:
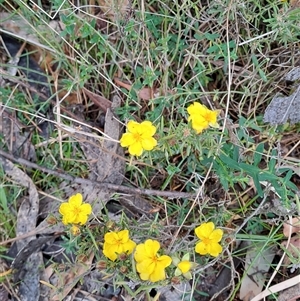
(201, 117)
(116, 243)
(198, 123)
(184, 266)
(209, 239)
(149, 264)
(74, 212)
(139, 137)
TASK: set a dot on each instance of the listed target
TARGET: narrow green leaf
(229, 162)
(258, 153)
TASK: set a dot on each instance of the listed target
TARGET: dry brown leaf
(292, 228)
(145, 93)
(98, 100)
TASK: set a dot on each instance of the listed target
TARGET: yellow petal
(196, 108)
(111, 238)
(135, 149)
(139, 254)
(133, 126)
(151, 247)
(110, 251)
(163, 261)
(214, 249)
(145, 276)
(184, 266)
(67, 219)
(149, 143)
(147, 129)
(127, 139)
(204, 230)
(123, 235)
(64, 208)
(129, 246)
(210, 116)
(86, 209)
(80, 219)
(213, 122)
(75, 200)
(199, 122)
(201, 248)
(146, 266)
(199, 128)
(157, 275)
(216, 235)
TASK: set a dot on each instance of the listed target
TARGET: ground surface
(73, 73)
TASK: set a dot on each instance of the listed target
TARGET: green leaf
(273, 160)
(3, 200)
(222, 176)
(258, 153)
(236, 153)
(250, 168)
(213, 49)
(229, 162)
(267, 176)
(287, 181)
(257, 184)
(211, 36)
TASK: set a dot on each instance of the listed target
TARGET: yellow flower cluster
(139, 136)
(201, 117)
(149, 264)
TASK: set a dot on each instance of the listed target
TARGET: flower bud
(110, 225)
(175, 280)
(123, 256)
(101, 265)
(51, 220)
(123, 269)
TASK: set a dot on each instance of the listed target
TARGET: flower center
(137, 137)
(154, 259)
(118, 242)
(76, 210)
(206, 241)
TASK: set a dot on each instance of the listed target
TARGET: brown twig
(109, 186)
